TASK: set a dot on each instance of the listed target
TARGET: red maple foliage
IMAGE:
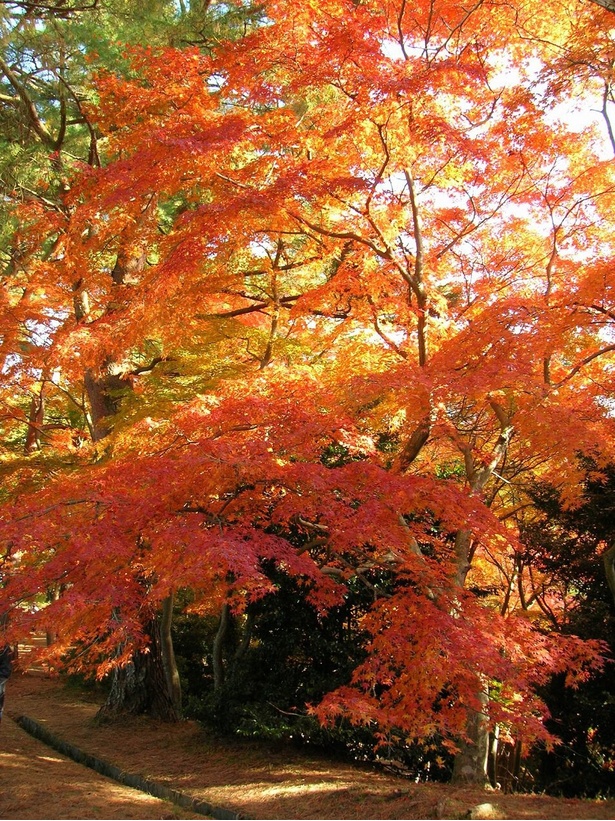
(362, 226)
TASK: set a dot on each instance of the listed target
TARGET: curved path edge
(137, 782)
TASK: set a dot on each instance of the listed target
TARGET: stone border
(136, 782)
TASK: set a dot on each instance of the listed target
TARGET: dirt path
(256, 780)
(36, 782)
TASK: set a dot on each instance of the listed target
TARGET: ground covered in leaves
(255, 780)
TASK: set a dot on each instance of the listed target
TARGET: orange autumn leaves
(359, 225)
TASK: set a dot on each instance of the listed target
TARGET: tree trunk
(471, 761)
(492, 761)
(168, 654)
(149, 683)
(463, 555)
(217, 659)
(244, 644)
(103, 396)
(140, 687)
(35, 424)
(53, 594)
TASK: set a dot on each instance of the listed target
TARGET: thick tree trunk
(146, 684)
(141, 687)
(53, 594)
(244, 644)
(150, 682)
(104, 398)
(471, 761)
(463, 555)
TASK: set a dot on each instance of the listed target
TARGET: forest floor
(256, 780)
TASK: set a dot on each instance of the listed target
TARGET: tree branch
(580, 365)
(609, 5)
(39, 127)
(414, 445)
(349, 235)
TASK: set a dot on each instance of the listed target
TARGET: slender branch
(47, 202)
(580, 365)
(70, 503)
(289, 266)
(382, 134)
(605, 113)
(149, 367)
(416, 224)
(400, 31)
(388, 342)
(234, 182)
(598, 308)
(418, 271)
(249, 309)
(349, 235)
(416, 549)
(58, 9)
(93, 156)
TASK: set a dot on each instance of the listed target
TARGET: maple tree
(45, 69)
(367, 225)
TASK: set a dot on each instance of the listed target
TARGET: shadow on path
(132, 780)
(37, 783)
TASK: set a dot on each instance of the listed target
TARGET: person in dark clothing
(6, 655)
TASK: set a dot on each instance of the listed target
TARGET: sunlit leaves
(353, 280)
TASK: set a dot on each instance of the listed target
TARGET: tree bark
(103, 396)
(413, 446)
(168, 654)
(463, 550)
(609, 5)
(35, 423)
(217, 659)
(140, 687)
(53, 594)
(470, 765)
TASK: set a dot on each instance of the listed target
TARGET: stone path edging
(137, 782)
